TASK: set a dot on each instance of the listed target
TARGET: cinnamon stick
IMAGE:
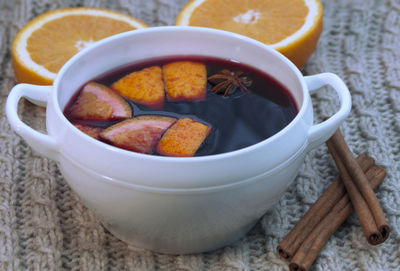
(315, 241)
(335, 191)
(369, 212)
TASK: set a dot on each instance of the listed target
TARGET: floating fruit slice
(45, 43)
(89, 130)
(183, 138)
(144, 87)
(140, 134)
(185, 81)
(291, 26)
(98, 102)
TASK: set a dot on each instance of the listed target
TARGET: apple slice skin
(150, 133)
(140, 134)
(97, 102)
(89, 130)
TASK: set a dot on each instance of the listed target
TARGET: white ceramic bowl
(177, 205)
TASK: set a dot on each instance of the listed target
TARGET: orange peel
(45, 43)
(183, 138)
(292, 27)
(185, 81)
(144, 87)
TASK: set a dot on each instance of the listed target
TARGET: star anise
(227, 81)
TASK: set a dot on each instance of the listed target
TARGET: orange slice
(290, 26)
(183, 138)
(44, 44)
(144, 87)
(185, 81)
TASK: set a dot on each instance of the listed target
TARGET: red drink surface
(239, 120)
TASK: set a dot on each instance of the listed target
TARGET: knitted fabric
(44, 225)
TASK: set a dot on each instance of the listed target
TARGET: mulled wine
(182, 106)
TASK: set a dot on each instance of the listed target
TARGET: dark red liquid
(237, 121)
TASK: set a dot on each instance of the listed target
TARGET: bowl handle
(321, 132)
(42, 143)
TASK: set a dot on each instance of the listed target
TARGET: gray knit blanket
(44, 225)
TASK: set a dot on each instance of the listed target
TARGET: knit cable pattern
(44, 225)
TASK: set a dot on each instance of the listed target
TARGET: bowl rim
(183, 29)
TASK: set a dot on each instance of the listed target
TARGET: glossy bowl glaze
(168, 204)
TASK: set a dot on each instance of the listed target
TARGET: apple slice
(140, 134)
(183, 138)
(92, 131)
(97, 102)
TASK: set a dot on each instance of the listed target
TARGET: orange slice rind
(185, 81)
(292, 27)
(144, 87)
(183, 138)
(45, 43)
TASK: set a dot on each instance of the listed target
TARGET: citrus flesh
(45, 43)
(291, 26)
